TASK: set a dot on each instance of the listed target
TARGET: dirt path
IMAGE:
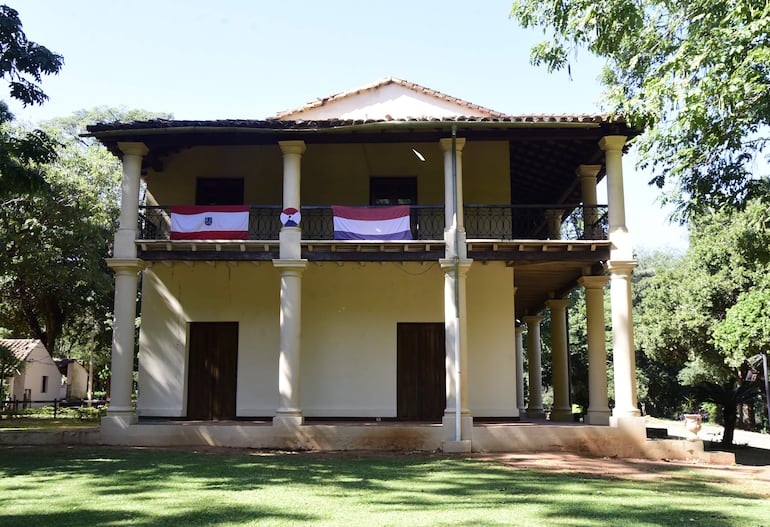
(639, 469)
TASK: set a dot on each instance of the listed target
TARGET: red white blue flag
(376, 223)
(203, 222)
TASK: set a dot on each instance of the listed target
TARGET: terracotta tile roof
(310, 125)
(385, 82)
(21, 348)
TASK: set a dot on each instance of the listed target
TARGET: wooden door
(421, 371)
(212, 370)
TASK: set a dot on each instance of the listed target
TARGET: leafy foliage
(22, 65)
(54, 281)
(745, 330)
(694, 74)
(703, 314)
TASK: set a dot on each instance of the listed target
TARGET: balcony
(490, 229)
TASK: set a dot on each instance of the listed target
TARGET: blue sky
(251, 59)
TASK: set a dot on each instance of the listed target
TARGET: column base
(456, 447)
(119, 419)
(633, 425)
(562, 414)
(597, 417)
(288, 419)
(450, 426)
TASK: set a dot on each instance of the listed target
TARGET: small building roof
(21, 348)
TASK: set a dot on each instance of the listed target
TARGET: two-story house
(359, 273)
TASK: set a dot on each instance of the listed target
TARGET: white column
(598, 408)
(123, 336)
(290, 237)
(289, 411)
(623, 353)
(291, 265)
(562, 410)
(520, 370)
(125, 238)
(587, 175)
(126, 266)
(621, 241)
(535, 369)
(449, 201)
(455, 332)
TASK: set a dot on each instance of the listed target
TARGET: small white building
(75, 385)
(40, 381)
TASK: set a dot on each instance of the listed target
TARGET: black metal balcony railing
(495, 222)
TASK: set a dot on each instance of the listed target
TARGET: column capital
(448, 264)
(519, 330)
(612, 142)
(588, 171)
(292, 147)
(557, 303)
(446, 143)
(133, 148)
(289, 264)
(125, 265)
(593, 281)
(532, 319)
(620, 267)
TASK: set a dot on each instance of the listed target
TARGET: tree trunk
(730, 413)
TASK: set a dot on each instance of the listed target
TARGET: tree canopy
(695, 75)
(54, 281)
(706, 313)
(22, 64)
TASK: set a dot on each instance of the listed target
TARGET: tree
(684, 317)
(745, 330)
(693, 74)
(22, 65)
(54, 281)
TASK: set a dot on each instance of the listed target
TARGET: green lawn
(48, 424)
(118, 487)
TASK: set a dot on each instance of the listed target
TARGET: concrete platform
(625, 440)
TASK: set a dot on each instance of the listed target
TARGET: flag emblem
(290, 217)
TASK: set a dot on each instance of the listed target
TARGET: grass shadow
(113, 486)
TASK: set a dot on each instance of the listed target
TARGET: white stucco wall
(75, 385)
(350, 313)
(491, 341)
(349, 320)
(179, 293)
